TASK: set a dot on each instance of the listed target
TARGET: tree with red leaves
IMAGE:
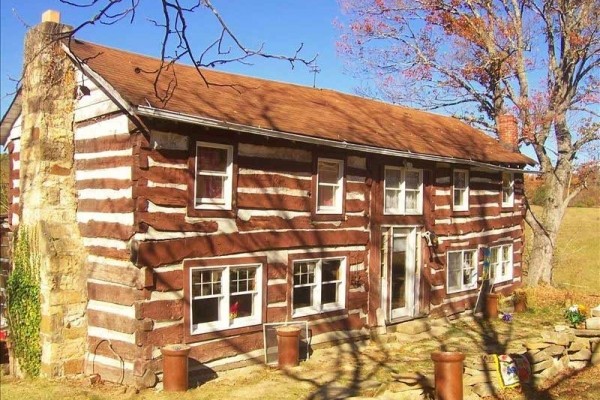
(480, 59)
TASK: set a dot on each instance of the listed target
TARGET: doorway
(399, 272)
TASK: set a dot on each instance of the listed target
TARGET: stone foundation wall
(553, 353)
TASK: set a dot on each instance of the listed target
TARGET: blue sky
(281, 25)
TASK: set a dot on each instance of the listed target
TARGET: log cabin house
(245, 202)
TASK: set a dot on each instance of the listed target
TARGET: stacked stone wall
(554, 353)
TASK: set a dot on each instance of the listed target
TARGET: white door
(400, 272)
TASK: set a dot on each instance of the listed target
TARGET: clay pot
(491, 305)
(448, 370)
(520, 304)
(175, 367)
(288, 346)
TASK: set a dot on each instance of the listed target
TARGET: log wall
(141, 233)
(272, 220)
(105, 160)
(13, 146)
(486, 224)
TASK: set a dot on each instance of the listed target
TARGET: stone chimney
(48, 199)
(508, 132)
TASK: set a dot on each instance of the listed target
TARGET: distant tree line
(536, 190)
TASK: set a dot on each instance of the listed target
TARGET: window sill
(461, 290)
(504, 280)
(399, 214)
(222, 332)
(305, 312)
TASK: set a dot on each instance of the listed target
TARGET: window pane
(506, 253)
(327, 196)
(302, 296)
(242, 280)
(330, 270)
(329, 293)
(454, 263)
(398, 273)
(392, 200)
(328, 172)
(460, 180)
(304, 273)
(468, 277)
(206, 283)
(205, 310)
(453, 279)
(506, 180)
(411, 201)
(458, 197)
(392, 178)
(240, 305)
(210, 187)
(412, 180)
(469, 268)
(212, 159)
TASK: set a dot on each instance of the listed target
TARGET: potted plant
(520, 300)
(575, 315)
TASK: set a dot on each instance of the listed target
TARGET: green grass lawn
(577, 258)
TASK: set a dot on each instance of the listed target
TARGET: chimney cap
(51, 16)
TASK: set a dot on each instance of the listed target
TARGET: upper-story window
(508, 189)
(501, 263)
(460, 190)
(214, 176)
(403, 191)
(330, 186)
(461, 271)
(225, 297)
(319, 285)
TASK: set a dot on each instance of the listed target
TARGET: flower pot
(491, 305)
(175, 367)
(520, 304)
(288, 346)
(448, 370)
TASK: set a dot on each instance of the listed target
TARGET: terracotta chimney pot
(51, 16)
(508, 132)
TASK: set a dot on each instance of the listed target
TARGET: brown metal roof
(289, 108)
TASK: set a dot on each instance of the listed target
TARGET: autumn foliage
(482, 59)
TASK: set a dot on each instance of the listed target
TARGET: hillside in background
(589, 197)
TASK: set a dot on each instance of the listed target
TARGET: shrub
(23, 303)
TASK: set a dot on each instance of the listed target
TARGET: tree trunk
(540, 261)
(545, 231)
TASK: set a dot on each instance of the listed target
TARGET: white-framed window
(508, 189)
(319, 285)
(214, 176)
(460, 190)
(501, 263)
(330, 186)
(461, 270)
(225, 297)
(403, 191)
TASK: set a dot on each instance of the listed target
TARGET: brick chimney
(508, 132)
(48, 197)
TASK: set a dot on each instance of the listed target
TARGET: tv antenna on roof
(314, 68)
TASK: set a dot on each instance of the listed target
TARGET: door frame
(412, 233)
